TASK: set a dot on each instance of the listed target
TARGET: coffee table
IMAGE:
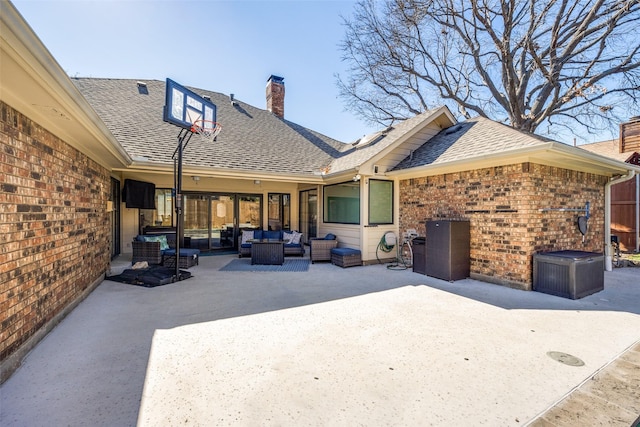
(267, 251)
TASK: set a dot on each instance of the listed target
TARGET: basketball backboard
(184, 107)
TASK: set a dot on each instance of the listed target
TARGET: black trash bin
(418, 245)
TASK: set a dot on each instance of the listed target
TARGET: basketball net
(207, 129)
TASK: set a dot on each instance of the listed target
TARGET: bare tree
(524, 62)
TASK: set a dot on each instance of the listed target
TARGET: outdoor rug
(245, 265)
(149, 277)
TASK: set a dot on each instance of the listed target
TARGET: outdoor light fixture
(256, 181)
(356, 178)
(195, 178)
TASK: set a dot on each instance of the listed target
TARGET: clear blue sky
(222, 46)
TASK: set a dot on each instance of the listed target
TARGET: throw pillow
(330, 236)
(246, 236)
(296, 238)
(287, 237)
(164, 245)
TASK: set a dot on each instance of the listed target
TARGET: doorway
(309, 213)
(115, 217)
(213, 221)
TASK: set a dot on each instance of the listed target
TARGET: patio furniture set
(264, 247)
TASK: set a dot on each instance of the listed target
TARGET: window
(279, 211)
(342, 203)
(380, 202)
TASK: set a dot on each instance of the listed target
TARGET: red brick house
(65, 150)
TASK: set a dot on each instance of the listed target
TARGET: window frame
(326, 203)
(392, 198)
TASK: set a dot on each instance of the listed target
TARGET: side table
(267, 251)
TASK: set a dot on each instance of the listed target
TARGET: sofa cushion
(191, 252)
(272, 234)
(330, 236)
(345, 251)
(257, 234)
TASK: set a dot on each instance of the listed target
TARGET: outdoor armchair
(320, 248)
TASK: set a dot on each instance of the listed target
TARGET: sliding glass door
(212, 221)
(197, 229)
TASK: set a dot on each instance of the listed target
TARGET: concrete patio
(331, 346)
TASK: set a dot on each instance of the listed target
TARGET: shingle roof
(471, 138)
(252, 139)
(610, 149)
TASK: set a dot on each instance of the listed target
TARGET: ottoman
(346, 257)
(188, 257)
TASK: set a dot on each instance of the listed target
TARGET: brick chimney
(275, 95)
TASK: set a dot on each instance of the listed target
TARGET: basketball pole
(183, 140)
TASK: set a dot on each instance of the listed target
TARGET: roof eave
(205, 172)
(34, 83)
(551, 153)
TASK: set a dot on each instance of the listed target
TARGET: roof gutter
(608, 266)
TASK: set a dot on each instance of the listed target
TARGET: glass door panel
(222, 221)
(308, 213)
(249, 212)
(196, 221)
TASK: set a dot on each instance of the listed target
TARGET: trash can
(418, 245)
(568, 274)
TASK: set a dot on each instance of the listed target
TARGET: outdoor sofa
(293, 241)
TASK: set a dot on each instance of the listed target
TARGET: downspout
(608, 264)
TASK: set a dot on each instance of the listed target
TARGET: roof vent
(372, 138)
(232, 98)
(142, 88)
(207, 97)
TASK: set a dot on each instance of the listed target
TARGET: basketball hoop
(207, 129)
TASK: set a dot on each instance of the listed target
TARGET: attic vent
(452, 129)
(142, 88)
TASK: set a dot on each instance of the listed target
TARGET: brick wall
(54, 231)
(504, 206)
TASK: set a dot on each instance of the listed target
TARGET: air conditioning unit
(568, 274)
